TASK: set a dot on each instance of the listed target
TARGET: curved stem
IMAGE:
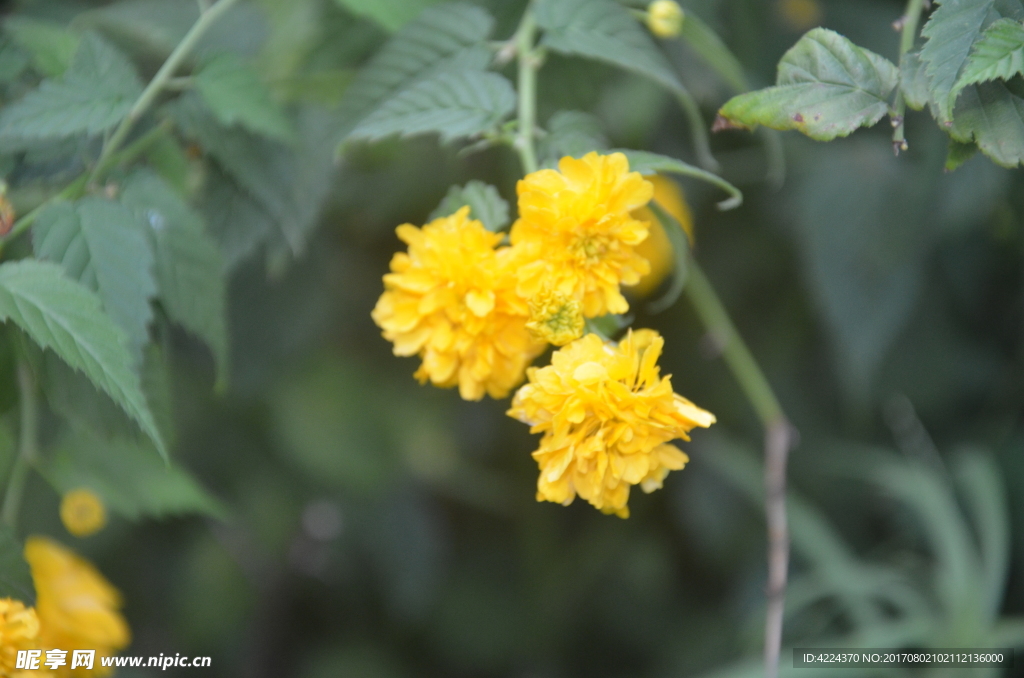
(27, 445)
(697, 129)
(527, 112)
(776, 446)
(908, 34)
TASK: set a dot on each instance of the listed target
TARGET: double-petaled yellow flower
(607, 417)
(575, 234)
(452, 300)
(77, 608)
(19, 630)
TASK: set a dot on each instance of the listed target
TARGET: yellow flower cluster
(76, 609)
(607, 417)
(478, 312)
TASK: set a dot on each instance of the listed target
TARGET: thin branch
(527, 113)
(908, 33)
(28, 436)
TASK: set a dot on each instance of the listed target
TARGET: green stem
(908, 34)
(527, 113)
(776, 449)
(166, 72)
(27, 447)
(700, 135)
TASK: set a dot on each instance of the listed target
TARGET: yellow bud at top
(555, 317)
(665, 18)
(82, 512)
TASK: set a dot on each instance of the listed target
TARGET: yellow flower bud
(665, 18)
(82, 512)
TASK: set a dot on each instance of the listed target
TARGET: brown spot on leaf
(798, 118)
(724, 123)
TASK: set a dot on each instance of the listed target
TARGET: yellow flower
(657, 249)
(451, 300)
(665, 18)
(555, 318)
(575, 232)
(19, 630)
(800, 15)
(82, 512)
(78, 609)
(607, 419)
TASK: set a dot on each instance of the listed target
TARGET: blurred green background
(380, 529)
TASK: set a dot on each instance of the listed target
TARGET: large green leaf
(234, 92)
(914, 81)
(453, 104)
(444, 37)
(390, 14)
(94, 94)
(646, 162)
(952, 31)
(15, 577)
(606, 31)
(238, 222)
(189, 267)
(572, 133)
(826, 87)
(63, 315)
(102, 244)
(52, 46)
(992, 115)
(998, 54)
(132, 481)
(485, 204)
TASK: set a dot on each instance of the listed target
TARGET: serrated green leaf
(952, 29)
(646, 162)
(65, 316)
(75, 398)
(572, 133)
(914, 82)
(453, 104)
(95, 93)
(102, 245)
(442, 38)
(958, 153)
(52, 46)
(485, 204)
(189, 267)
(998, 54)
(237, 222)
(603, 30)
(991, 114)
(15, 576)
(826, 87)
(132, 481)
(234, 92)
(714, 52)
(390, 14)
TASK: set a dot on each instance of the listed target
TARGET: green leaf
(914, 82)
(61, 314)
(958, 154)
(168, 159)
(681, 255)
(712, 50)
(15, 576)
(234, 92)
(997, 55)
(646, 162)
(826, 87)
(570, 133)
(452, 104)
(52, 46)
(443, 38)
(103, 245)
(94, 94)
(952, 30)
(13, 61)
(189, 267)
(390, 14)
(237, 221)
(132, 481)
(991, 114)
(606, 31)
(485, 204)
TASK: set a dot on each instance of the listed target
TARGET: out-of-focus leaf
(234, 92)
(168, 159)
(826, 87)
(132, 481)
(92, 96)
(15, 577)
(714, 52)
(646, 162)
(391, 14)
(453, 104)
(103, 245)
(189, 267)
(992, 115)
(485, 204)
(914, 82)
(998, 54)
(603, 30)
(952, 30)
(65, 316)
(237, 221)
(322, 87)
(443, 38)
(13, 61)
(572, 133)
(52, 46)
(958, 154)
(985, 502)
